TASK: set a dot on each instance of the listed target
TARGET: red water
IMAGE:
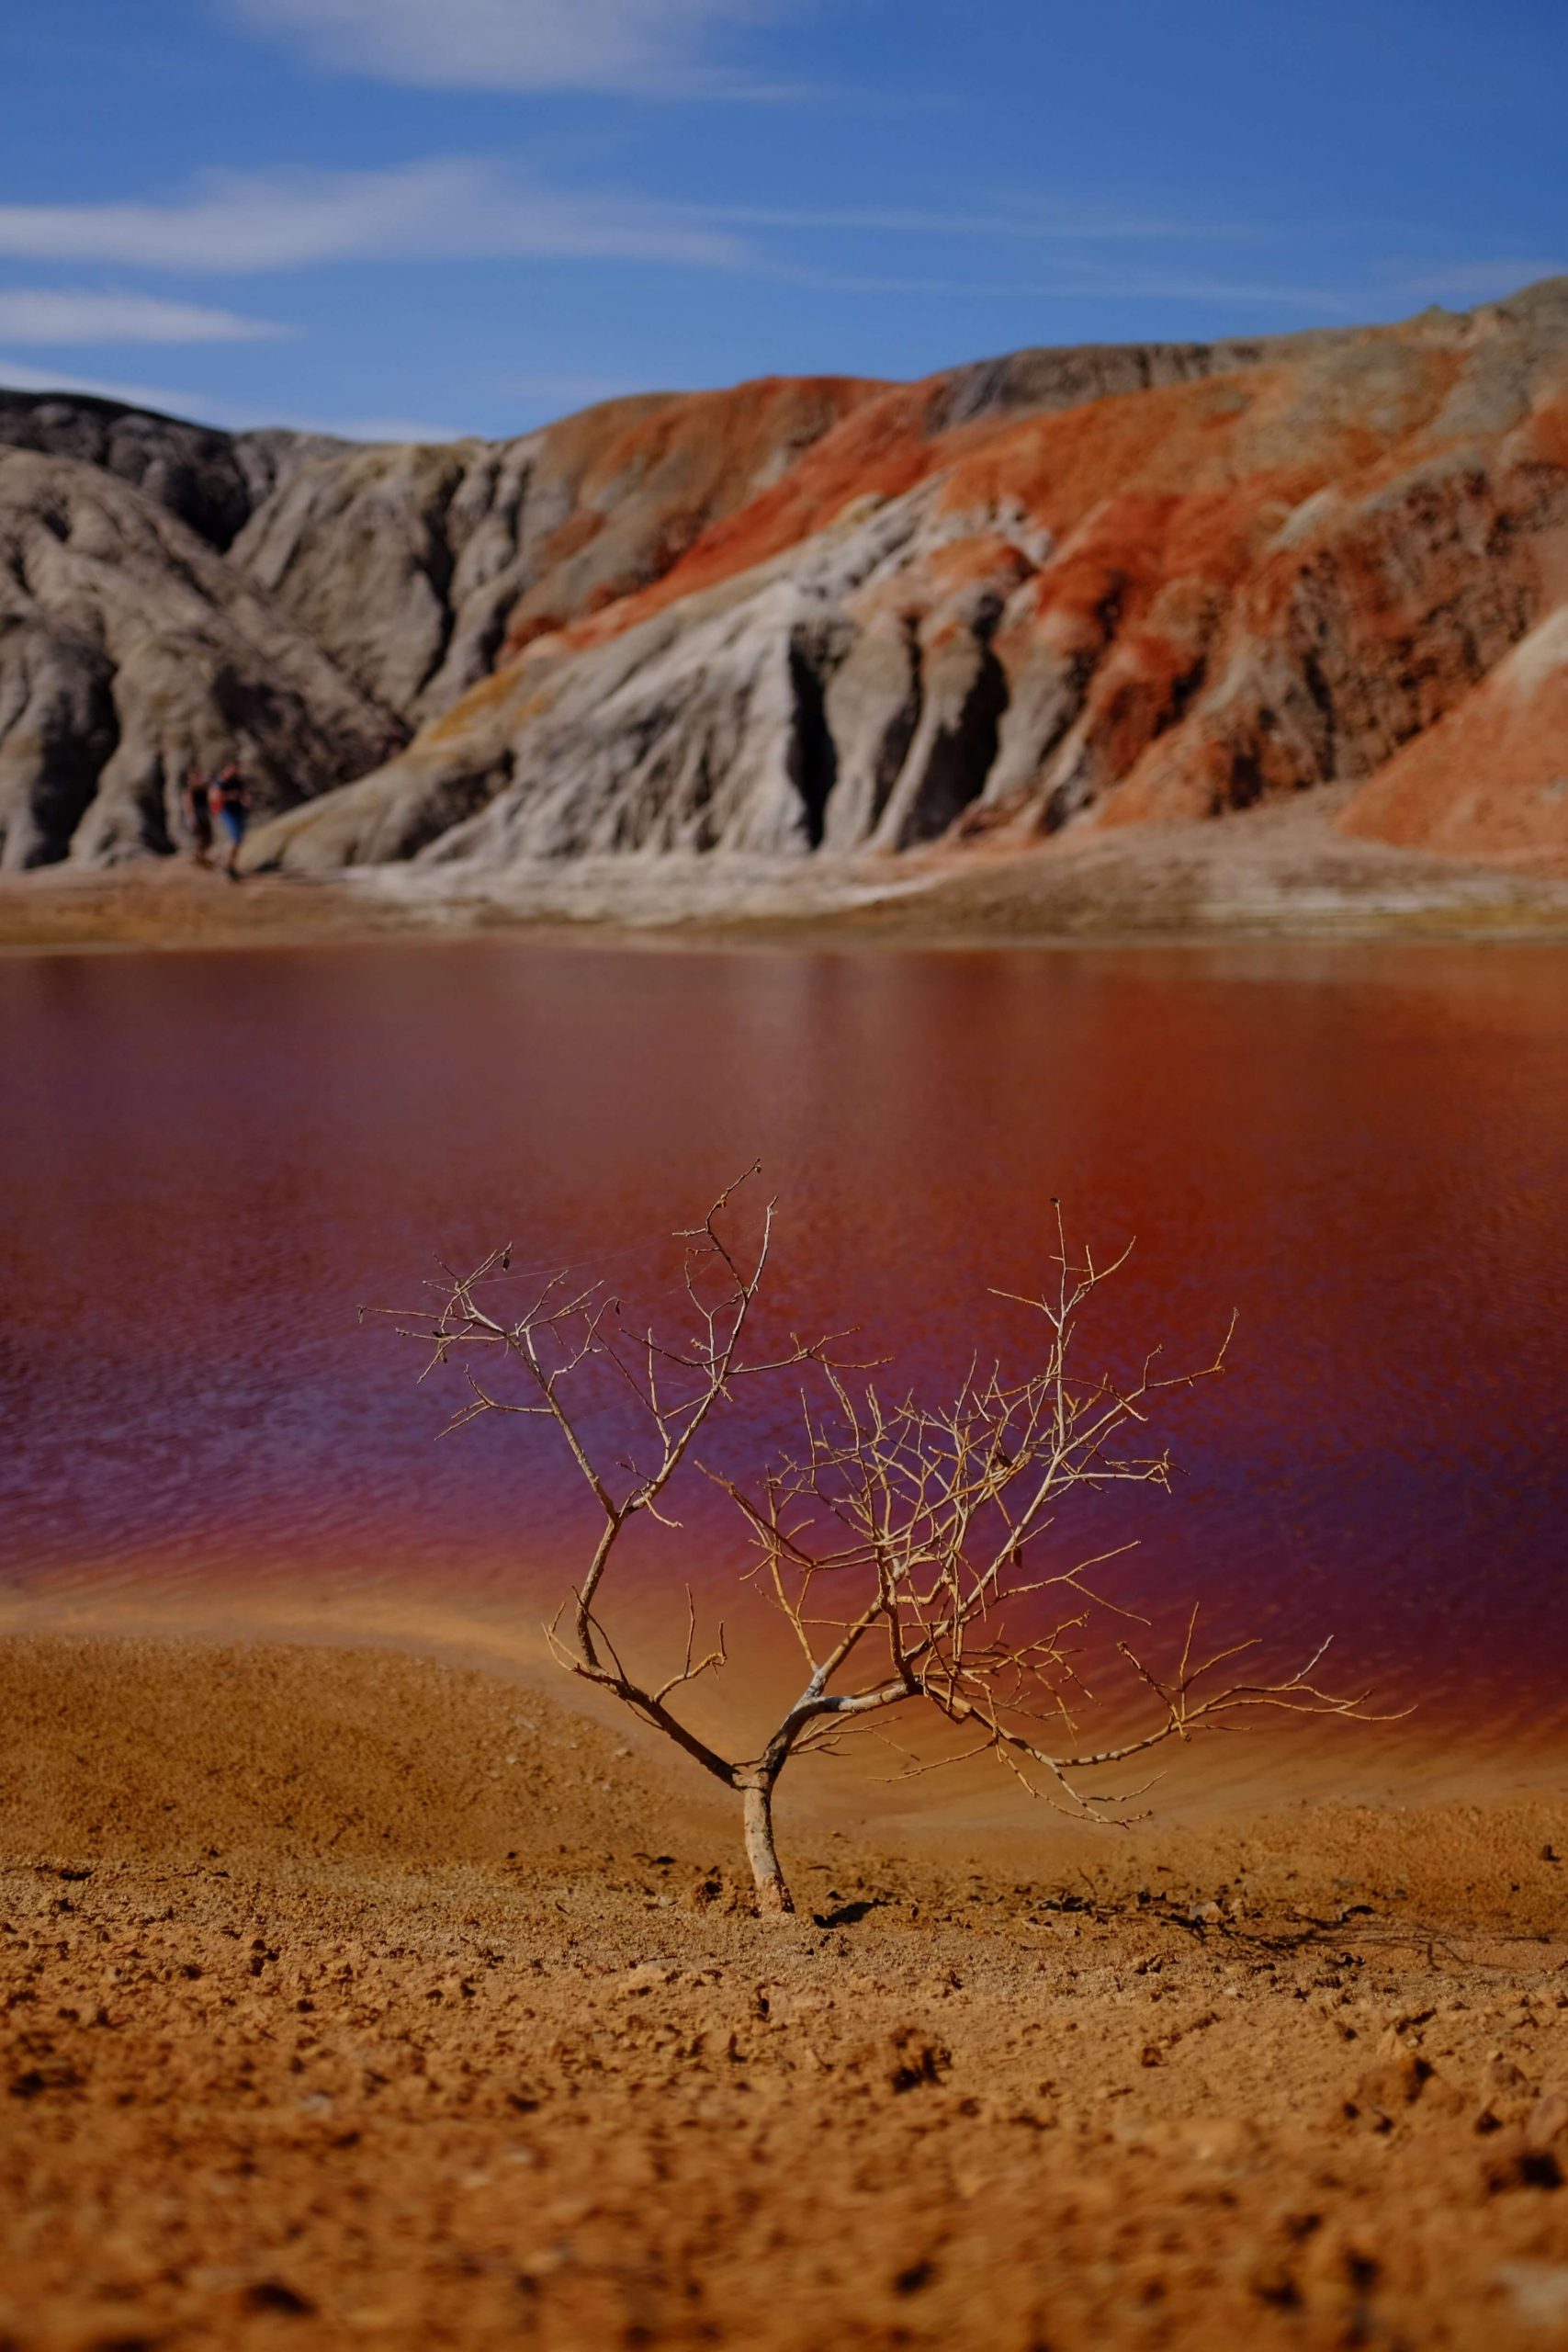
(210, 1159)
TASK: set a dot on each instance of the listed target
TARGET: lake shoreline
(1411, 1754)
(376, 1999)
(1277, 872)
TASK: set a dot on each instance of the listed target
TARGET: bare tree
(911, 1549)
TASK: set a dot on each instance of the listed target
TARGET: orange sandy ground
(351, 1997)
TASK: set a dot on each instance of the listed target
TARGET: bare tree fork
(913, 1550)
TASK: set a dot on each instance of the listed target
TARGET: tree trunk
(757, 1815)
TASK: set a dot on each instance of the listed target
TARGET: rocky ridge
(130, 648)
(170, 594)
(1048, 594)
(1255, 573)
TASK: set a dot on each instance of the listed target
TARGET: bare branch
(909, 1546)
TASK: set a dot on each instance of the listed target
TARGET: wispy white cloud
(1083, 285)
(236, 416)
(77, 314)
(648, 47)
(1033, 223)
(473, 207)
(442, 208)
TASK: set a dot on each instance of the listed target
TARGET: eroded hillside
(1262, 570)
(171, 595)
(1052, 594)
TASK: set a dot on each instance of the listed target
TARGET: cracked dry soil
(346, 1999)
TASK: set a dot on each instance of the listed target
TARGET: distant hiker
(230, 803)
(198, 810)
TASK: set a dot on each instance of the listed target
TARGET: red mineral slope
(653, 478)
(1048, 465)
(1490, 778)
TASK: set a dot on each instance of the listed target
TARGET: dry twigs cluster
(910, 1548)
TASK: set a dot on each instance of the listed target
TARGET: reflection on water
(210, 1159)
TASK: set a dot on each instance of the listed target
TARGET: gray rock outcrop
(130, 650)
(311, 599)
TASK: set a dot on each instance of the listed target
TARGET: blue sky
(443, 216)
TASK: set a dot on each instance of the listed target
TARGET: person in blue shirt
(230, 803)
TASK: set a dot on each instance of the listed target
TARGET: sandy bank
(1284, 870)
(353, 1997)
